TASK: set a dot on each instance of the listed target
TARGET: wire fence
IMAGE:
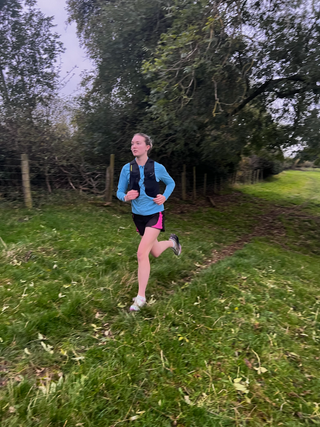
(22, 178)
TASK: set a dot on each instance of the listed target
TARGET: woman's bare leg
(159, 247)
(146, 244)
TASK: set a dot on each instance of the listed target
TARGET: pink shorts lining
(159, 225)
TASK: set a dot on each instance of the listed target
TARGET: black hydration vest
(150, 183)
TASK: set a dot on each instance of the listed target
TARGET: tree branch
(267, 86)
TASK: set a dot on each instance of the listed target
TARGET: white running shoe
(138, 303)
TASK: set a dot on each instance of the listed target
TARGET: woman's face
(139, 146)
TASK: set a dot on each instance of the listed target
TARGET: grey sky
(74, 54)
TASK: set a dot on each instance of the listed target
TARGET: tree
(208, 78)
(309, 136)
(257, 48)
(28, 72)
(118, 36)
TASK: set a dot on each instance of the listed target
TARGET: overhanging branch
(268, 87)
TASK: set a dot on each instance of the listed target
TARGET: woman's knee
(142, 254)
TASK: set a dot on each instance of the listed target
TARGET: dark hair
(147, 139)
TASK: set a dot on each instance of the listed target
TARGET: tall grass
(232, 343)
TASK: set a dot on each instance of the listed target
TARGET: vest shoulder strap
(135, 167)
(149, 167)
(134, 176)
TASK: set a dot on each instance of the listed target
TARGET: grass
(292, 187)
(233, 343)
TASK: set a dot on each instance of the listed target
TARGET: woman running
(142, 175)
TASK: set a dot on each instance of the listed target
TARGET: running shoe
(138, 303)
(176, 245)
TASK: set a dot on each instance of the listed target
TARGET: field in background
(290, 187)
(230, 336)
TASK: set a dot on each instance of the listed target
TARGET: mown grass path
(230, 336)
(292, 187)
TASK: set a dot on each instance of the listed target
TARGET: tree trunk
(205, 185)
(184, 183)
(109, 180)
(48, 181)
(194, 184)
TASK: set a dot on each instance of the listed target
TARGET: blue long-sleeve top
(144, 205)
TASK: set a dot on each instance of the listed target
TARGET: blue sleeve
(123, 182)
(162, 175)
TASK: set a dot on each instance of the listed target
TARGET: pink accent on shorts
(159, 225)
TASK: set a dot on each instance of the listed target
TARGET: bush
(268, 166)
(306, 164)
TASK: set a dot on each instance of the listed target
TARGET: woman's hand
(131, 195)
(160, 199)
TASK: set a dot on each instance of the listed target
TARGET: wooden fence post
(205, 185)
(107, 187)
(109, 180)
(194, 184)
(111, 175)
(26, 180)
(184, 183)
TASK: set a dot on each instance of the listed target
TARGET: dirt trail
(269, 223)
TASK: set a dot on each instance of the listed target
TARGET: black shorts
(154, 221)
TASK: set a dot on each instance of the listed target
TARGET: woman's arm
(123, 182)
(162, 175)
